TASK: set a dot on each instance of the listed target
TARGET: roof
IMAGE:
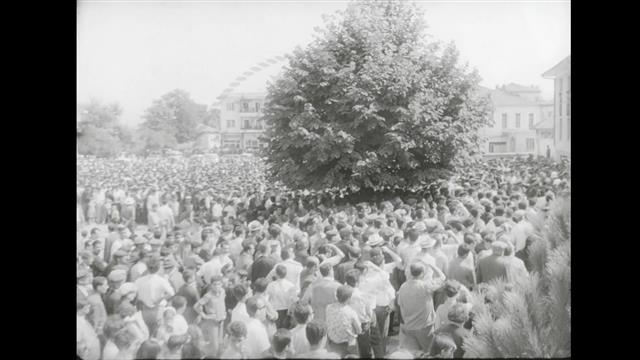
(244, 95)
(562, 67)
(502, 98)
(512, 87)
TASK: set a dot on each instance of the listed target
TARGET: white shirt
(216, 210)
(165, 213)
(153, 288)
(257, 338)
(376, 287)
(239, 313)
(299, 342)
(294, 269)
(213, 267)
(520, 233)
(137, 270)
(88, 342)
(282, 293)
(179, 325)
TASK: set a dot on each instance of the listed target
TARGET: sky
(133, 52)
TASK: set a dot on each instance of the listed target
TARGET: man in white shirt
(214, 266)
(317, 336)
(369, 338)
(166, 215)
(152, 290)
(257, 337)
(282, 293)
(522, 230)
(377, 288)
(303, 314)
(88, 344)
(293, 267)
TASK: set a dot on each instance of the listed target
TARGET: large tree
(371, 104)
(100, 132)
(174, 115)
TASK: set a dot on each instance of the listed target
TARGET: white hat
(375, 240)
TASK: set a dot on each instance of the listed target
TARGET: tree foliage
(170, 120)
(100, 133)
(371, 104)
(530, 318)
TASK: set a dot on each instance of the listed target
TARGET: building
(561, 75)
(513, 129)
(241, 123)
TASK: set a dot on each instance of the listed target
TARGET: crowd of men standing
(210, 260)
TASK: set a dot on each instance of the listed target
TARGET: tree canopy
(371, 104)
(172, 119)
(100, 132)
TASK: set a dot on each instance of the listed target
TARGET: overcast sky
(133, 52)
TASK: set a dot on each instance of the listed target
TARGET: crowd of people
(211, 260)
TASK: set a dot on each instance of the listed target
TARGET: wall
(562, 117)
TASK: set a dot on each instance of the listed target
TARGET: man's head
(377, 256)
(416, 270)
(451, 288)
(326, 270)
(344, 293)
(237, 332)
(179, 303)
(352, 277)
(316, 334)
(260, 285)
(256, 308)
(302, 313)
(281, 271)
(100, 284)
(281, 341)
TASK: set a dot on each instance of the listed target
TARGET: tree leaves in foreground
(532, 317)
(370, 104)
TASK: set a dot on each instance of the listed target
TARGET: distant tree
(212, 118)
(100, 133)
(371, 104)
(176, 114)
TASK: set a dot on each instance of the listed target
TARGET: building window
(530, 121)
(504, 120)
(518, 120)
(530, 144)
(245, 107)
(497, 147)
(257, 107)
(247, 124)
(230, 107)
(231, 123)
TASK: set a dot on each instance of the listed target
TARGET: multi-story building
(241, 123)
(561, 74)
(513, 130)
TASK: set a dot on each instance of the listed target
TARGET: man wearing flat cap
(112, 297)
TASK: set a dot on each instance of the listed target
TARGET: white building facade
(241, 123)
(514, 128)
(561, 75)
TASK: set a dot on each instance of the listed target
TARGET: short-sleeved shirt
(343, 324)
(257, 338)
(153, 288)
(415, 299)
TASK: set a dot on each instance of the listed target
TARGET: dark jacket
(261, 267)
